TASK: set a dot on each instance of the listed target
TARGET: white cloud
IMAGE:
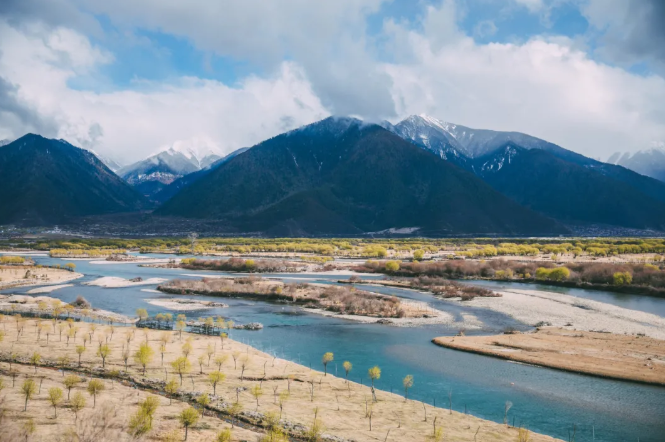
(548, 87)
(532, 5)
(130, 124)
(543, 87)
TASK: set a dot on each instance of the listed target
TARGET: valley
(479, 385)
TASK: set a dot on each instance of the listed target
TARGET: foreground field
(259, 383)
(634, 358)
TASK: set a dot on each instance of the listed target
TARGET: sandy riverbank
(48, 289)
(25, 276)
(31, 304)
(572, 313)
(181, 304)
(340, 406)
(634, 358)
(115, 282)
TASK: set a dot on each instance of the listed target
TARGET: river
(546, 401)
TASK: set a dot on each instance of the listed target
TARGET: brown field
(634, 358)
(340, 406)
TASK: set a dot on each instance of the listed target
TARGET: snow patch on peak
(195, 149)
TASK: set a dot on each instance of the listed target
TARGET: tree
(144, 355)
(210, 351)
(28, 390)
(80, 349)
(257, 393)
(374, 373)
(180, 327)
(203, 400)
(214, 378)
(55, 398)
(171, 388)
(407, 382)
(103, 352)
(418, 255)
(244, 363)
(34, 360)
(141, 422)
(77, 403)
(219, 361)
(187, 418)
(181, 366)
(70, 382)
(186, 348)
(327, 358)
(347, 368)
(283, 397)
(95, 386)
(142, 314)
(201, 361)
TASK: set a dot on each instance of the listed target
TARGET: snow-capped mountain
(434, 135)
(650, 162)
(150, 176)
(446, 139)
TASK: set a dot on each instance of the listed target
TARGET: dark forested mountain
(151, 175)
(649, 162)
(47, 181)
(568, 191)
(506, 161)
(341, 176)
(166, 193)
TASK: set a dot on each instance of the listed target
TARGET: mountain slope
(167, 192)
(342, 176)
(567, 191)
(646, 162)
(48, 181)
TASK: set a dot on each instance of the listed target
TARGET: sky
(128, 78)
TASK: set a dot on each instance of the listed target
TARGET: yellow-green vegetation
(85, 253)
(407, 248)
(11, 260)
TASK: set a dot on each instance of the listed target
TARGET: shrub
(622, 278)
(392, 266)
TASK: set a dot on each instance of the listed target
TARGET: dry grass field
(635, 358)
(257, 381)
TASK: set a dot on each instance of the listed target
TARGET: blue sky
(130, 77)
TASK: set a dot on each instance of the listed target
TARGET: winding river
(546, 401)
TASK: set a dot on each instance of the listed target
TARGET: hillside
(342, 176)
(567, 191)
(47, 181)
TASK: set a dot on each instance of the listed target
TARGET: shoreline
(114, 282)
(539, 308)
(603, 355)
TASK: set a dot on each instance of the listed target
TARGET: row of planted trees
(143, 353)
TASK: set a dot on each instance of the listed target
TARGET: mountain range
(543, 176)
(151, 175)
(343, 176)
(48, 181)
